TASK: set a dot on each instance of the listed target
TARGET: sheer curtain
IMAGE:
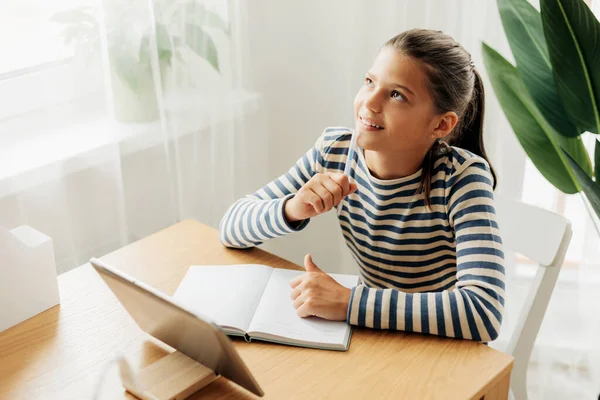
(132, 118)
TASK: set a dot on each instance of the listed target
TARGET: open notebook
(254, 301)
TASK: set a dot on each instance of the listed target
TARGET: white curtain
(123, 126)
(138, 122)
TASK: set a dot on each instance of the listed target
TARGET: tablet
(162, 317)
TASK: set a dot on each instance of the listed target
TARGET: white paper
(228, 294)
(276, 314)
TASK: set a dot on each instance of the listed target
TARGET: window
(28, 37)
(35, 67)
(38, 68)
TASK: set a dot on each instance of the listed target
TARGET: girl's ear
(445, 124)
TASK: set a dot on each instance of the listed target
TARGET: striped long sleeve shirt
(435, 270)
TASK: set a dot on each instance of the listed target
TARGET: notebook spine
(247, 338)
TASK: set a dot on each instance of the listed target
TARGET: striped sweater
(436, 270)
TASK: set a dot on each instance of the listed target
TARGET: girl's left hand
(315, 293)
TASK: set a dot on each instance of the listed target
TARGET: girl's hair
(455, 85)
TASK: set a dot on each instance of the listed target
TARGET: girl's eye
(397, 95)
(368, 82)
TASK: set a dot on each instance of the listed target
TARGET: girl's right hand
(319, 195)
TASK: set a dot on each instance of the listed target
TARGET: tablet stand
(173, 377)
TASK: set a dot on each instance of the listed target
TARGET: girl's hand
(319, 195)
(317, 294)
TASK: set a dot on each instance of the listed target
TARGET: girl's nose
(373, 102)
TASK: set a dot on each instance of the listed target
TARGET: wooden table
(62, 353)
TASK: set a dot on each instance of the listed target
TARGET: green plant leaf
(197, 14)
(162, 37)
(538, 138)
(163, 43)
(163, 46)
(127, 68)
(575, 147)
(213, 20)
(523, 27)
(597, 160)
(144, 54)
(573, 37)
(589, 187)
(202, 44)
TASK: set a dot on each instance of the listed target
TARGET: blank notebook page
(227, 294)
(276, 313)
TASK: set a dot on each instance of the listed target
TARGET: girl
(417, 211)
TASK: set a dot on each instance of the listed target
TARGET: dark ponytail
(469, 136)
(455, 85)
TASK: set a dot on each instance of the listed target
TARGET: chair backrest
(532, 231)
(543, 237)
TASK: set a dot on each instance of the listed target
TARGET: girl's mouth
(369, 125)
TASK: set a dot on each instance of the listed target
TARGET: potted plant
(138, 47)
(552, 96)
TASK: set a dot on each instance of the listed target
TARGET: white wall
(297, 58)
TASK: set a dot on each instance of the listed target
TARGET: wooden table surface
(66, 351)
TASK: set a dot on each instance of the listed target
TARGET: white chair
(543, 237)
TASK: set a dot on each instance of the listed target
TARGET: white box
(28, 281)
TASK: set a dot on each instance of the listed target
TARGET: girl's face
(395, 97)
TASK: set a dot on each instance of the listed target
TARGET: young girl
(417, 210)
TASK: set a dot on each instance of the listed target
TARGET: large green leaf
(573, 37)
(576, 148)
(597, 160)
(523, 27)
(538, 138)
(202, 44)
(589, 187)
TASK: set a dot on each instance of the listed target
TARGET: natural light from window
(28, 38)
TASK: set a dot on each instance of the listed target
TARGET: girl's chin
(367, 141)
